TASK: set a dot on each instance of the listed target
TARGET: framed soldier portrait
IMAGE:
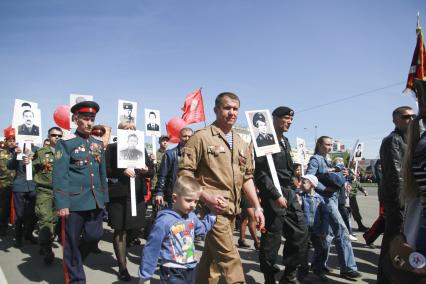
(75, 99)
(130, 149)
(152, 122)
(127, 112)
(27, 122)
(357, 154)
(301, 150)
(262, 132)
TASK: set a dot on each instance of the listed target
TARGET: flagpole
(205, 125)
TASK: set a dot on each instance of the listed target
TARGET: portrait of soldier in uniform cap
(263, 138)
(127, 112)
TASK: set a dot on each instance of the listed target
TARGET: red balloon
(61, 116)
(173, 128)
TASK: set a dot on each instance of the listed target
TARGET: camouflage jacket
(6, 176)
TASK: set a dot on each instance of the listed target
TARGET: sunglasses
(408, 116)
(56, 135)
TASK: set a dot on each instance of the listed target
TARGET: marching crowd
(201, 186)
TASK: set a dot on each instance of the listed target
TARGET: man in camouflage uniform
(45, 210)
(164, 142)
(6, 179)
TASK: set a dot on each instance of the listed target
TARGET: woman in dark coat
(119, 209)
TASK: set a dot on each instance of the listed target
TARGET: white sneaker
(352, 237)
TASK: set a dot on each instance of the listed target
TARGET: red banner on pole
(193, 108)
(418, 66)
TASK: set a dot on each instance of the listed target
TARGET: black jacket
(392, 152)
(118, 183)
(284, 166)
(166, 177)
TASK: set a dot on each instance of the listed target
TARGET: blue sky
(295, 53)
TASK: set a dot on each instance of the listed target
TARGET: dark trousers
(170, 275)
(345, 213)
(290, 224)
(5, 195)
(319, 258)
(25, 219)
(393, 225)
(90, 224)
(356, 214)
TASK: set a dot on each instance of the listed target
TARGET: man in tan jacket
(222, 163)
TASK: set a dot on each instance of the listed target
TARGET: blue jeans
(170, 275)
(343, 245)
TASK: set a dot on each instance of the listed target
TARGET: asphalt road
(25, 265)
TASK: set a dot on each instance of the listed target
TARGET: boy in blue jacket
(172, 237)
(316, 217)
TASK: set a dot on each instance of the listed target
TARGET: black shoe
(284, 280)
(48, 258)
(18, 243)
(134, 242)
(257, 245)
(322, 277)
(363, 228)
(3, 231)
(327, 269)
(124, 275)
(96, 250)
(243, 244)
(31, 239)
(351, 275)
(84, 252)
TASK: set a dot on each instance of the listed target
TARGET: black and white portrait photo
(27, 121)
(131, 149)
(301, 150)
(262, 132)
(358, 152)
(127, 112)
(152, 122)
(263, 137)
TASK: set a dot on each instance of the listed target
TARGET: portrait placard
(152, 122)
(127, 112)
(357, 153)
(130, 149)
(301, 150)
(27, 122)
(75, 99)
(262, 132)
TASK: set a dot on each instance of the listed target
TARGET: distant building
(338, 146)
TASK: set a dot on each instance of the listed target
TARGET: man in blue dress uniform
(80, 190)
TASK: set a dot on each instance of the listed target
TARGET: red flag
(418, 65)
(193, 108)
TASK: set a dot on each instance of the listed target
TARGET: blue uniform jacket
(21, 184)
(79, 174)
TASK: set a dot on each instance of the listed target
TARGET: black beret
(283, 110)
(258, 116)
(86, 107)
